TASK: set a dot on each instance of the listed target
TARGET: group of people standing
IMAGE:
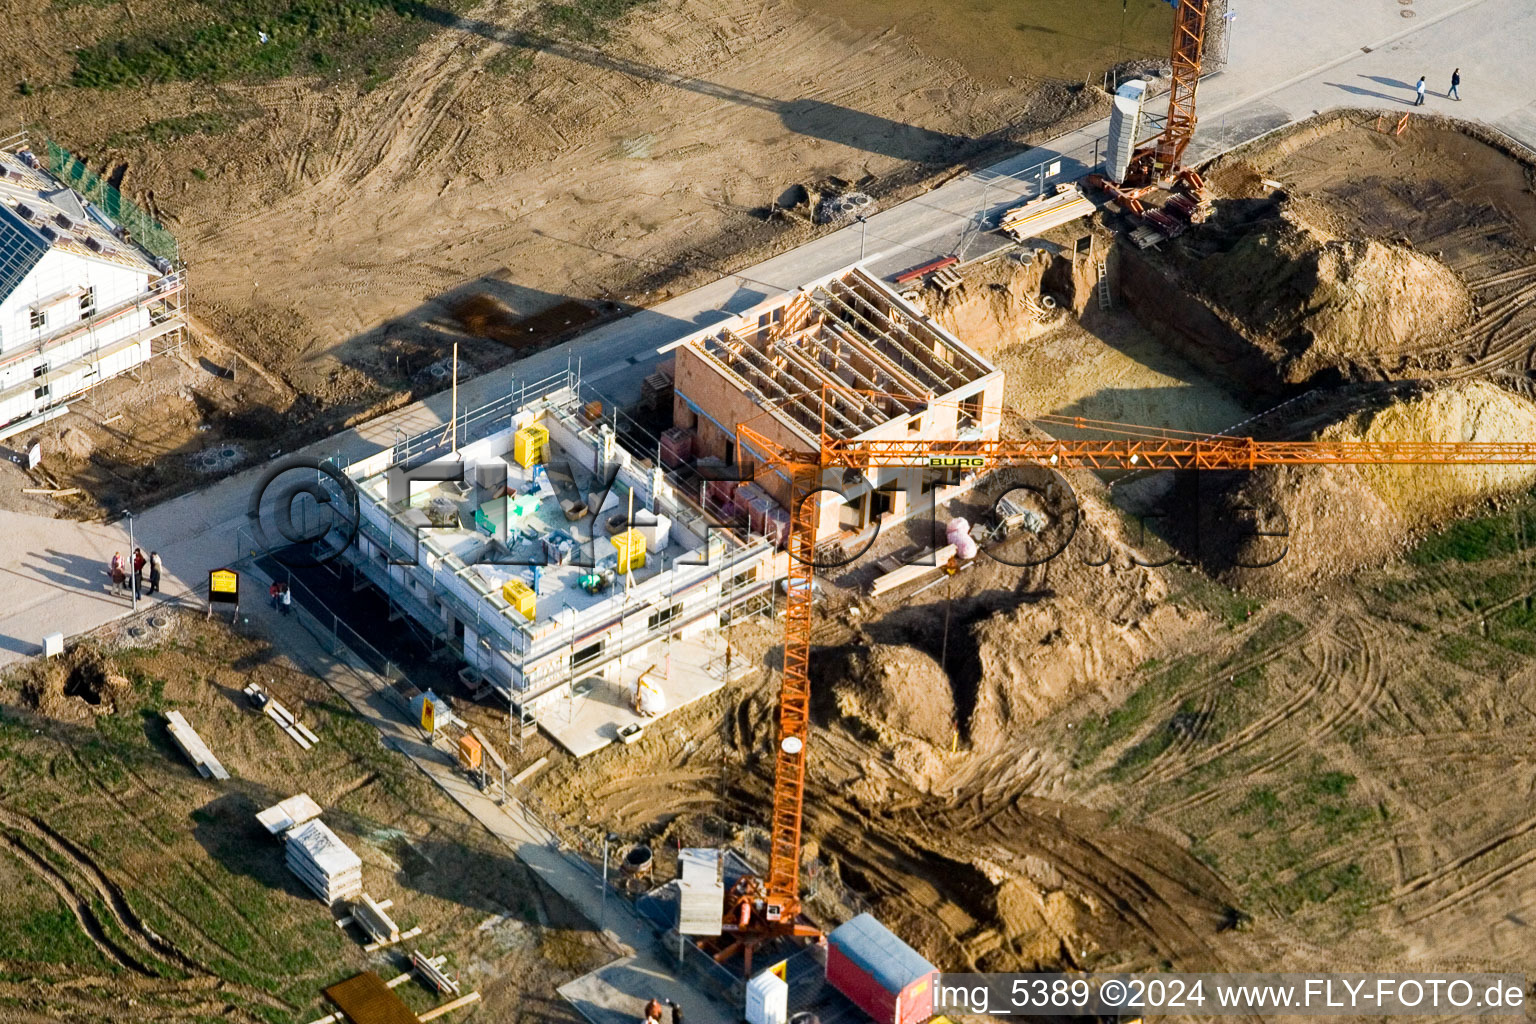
(122, 571)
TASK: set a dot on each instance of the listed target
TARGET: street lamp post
(863, 235)
(1226, 42)
(133, 572)
(602, 914)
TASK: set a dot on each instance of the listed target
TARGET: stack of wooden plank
(193, 746)
(323, 862)
(1065, 204)
(431, 970)
(285, 719)
(907, 573)
(370, 916)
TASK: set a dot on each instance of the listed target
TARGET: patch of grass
(1095, 735)
(1194, 589)
(54, 936)
(199, 174)
(585, 20)
(170, 129)
(255, 39)
(510, 61)
(1477, 540)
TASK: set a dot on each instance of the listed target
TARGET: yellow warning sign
(223, 585)
(780, 970)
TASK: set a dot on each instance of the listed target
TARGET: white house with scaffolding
(568, 573)
(80, 300)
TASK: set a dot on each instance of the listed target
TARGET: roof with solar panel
(38, 213)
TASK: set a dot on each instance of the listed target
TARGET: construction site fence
(321, 622)
(142, 228)
(482, 420)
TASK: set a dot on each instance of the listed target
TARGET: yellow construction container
(520, 596)
(529, 445)
(631, 547)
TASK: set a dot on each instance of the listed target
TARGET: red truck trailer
(883, 976)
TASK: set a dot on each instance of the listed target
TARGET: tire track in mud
(1476, 887)
(1027, 825)
(1498, 841)
(124, 917)
(1317, 684)
(84, 913)
(1360, 653)
(147, 793)
(1209, 691)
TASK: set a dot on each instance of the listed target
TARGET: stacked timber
(1065, 204)
(323, 862)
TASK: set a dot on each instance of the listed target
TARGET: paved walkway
(613, 994)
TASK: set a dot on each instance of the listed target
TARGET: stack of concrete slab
(323, 862)
(284, 815)
(701, 892)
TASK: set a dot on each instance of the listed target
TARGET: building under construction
(559, 563)
(843, 357)
(82, 296)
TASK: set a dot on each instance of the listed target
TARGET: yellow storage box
(520, 596)
(631, 547)
(529, 445)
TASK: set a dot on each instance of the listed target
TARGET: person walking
(118, 571)
(1455, 85)
(1420, 90)
(139, 561)
(677, 1011)
(285, 599)
(273, 591)
(653, 1011)
(155, 565)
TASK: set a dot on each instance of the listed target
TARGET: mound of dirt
(894, 691)
(82, 682)
(1036, 657)
(1008, 302)
(1473, 411)
(1316, 302)
(1041, 928)
(1343, 518)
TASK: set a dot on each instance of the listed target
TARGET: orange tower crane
(764, 908)
(1161, 158)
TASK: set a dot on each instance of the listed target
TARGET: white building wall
(60, 271)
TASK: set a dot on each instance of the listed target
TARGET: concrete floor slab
(591, 720)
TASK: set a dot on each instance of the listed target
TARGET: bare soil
(1438, 196)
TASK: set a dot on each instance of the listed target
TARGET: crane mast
(1161, 158)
